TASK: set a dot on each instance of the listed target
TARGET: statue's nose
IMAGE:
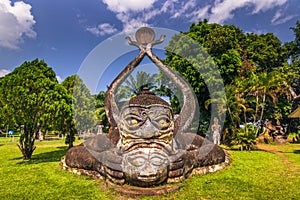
(148, 171)
(148, 130)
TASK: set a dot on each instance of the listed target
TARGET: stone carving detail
(146, 146)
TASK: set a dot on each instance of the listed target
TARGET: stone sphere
(144, 35)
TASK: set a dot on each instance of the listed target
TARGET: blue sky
(65, 32)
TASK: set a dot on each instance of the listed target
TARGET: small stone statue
(99, 127)
(216, 129)
(146, 146)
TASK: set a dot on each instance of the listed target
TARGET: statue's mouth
(147, 144)
(148, 178)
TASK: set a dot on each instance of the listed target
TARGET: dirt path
(274, 149)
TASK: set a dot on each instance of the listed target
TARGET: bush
(244, 138)
(295, 137)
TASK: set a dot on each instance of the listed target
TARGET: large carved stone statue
(146, 146)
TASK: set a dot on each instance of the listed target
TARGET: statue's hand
(176, 168)
(113, 166)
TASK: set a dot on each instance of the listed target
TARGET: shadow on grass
(52, 156)
(297, 151)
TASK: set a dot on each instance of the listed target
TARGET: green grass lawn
(251, 175)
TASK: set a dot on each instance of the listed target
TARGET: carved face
(146, 124)
(146, 129)
(145, 166)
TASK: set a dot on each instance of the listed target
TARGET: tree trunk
(293, 93)
(26, 144)
(261, 114)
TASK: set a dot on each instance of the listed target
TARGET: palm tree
(262, 86)
(236, 103)
(133, 86)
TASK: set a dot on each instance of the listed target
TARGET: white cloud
(136, 13)
(128, 5)
(198, 14)
(184, 8)
(132, 13)
(168, 6)
(280, 18)
(53, 48)
(16, 21)
(102, 29)
(283, 20)
(59, 79)
(223, 10)
(3, 72)
(264, 5)
(130, 24)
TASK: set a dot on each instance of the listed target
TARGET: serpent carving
(146, 145)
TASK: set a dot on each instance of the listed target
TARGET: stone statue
(146, 146)
(99, 127)
(216, 129)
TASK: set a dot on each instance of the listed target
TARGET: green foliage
(294, 46)
(160, 84)
(82, 117)
(244, 138)
(293, 77)
(265, 51)
(254, 69)
(166, 88)
(223, 44)
(134, 85)
(99, 99)
(70, 139)
(31, 96)
(100, 110)
(188, 58)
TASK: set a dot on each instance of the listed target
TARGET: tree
(265, 50)
(201, 57)
(223, 44)
(236, 104)
(134, 85)
(293, 47)
(100, 110)
(165, 88)
(291, 74)
(82, 108)
(294, 66)
(248, 64)
(263, 86)
(31, 97)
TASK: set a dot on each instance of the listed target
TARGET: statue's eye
(137, 161)
(163, 122)
(133, 121)
(157, 161)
